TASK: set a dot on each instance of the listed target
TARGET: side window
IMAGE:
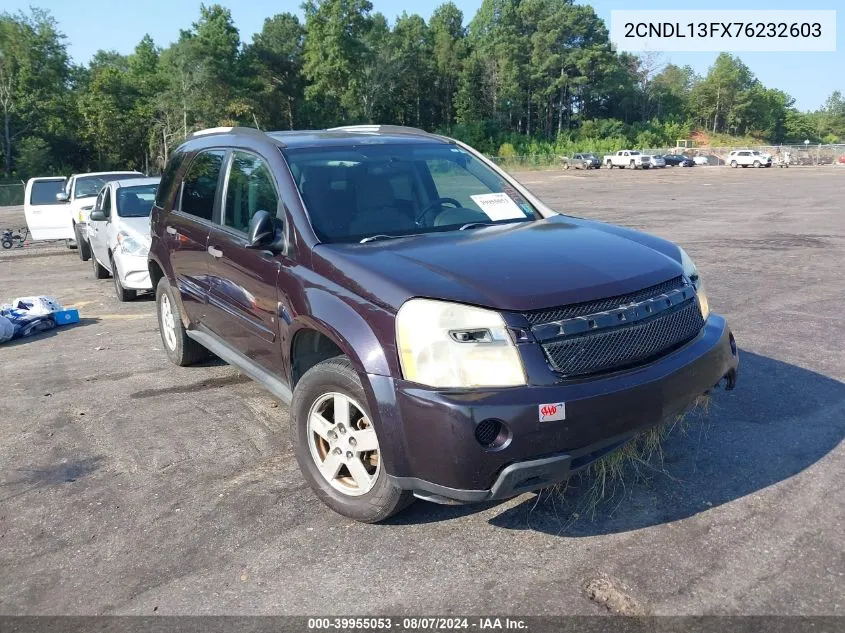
(250, 189)
(199, 186)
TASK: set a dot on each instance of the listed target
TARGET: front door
(243, 302)
(186, 231)
(46, 217)
(98, 229)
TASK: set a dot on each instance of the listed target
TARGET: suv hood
(519, 267)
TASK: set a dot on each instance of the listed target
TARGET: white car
(748, 158)
(46, 216)
(700, 160)
(78, 196)
(119, 234)
(657, 161)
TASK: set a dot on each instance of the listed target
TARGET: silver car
(119, 233)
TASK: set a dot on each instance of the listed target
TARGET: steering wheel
(438, 202)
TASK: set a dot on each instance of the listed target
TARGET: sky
(91, 25)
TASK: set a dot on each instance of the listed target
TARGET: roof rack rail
(244, 131)
(376, 128)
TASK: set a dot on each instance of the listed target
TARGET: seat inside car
(330, 207)
(378, 210)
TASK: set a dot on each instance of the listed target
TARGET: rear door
(46, 217)
(187, 227)
(243, 301)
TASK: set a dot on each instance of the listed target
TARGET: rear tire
(7, 244)
(367, 495)
(83, 247)
(179, 347)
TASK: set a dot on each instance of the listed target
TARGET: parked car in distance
(627, 158)
(748, 158)
(46, 216)
(703, 161)
(119, 234)
(583, 161)
(657, 161)
(438, 331)
(78, 196)
(678, 160)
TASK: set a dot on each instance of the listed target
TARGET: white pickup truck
(80, 192)
(627, 158)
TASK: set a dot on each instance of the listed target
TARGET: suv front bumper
(428, 435)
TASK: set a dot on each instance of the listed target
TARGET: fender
(334, 316)
(153, 257)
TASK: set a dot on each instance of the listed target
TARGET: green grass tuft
(605, 480)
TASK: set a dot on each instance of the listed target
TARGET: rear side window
(250, 189)
(199, 186)
(44, 191)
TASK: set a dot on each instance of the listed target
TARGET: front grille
(626, 345)
(591, 307)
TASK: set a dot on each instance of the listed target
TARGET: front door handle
(171, 230)
(215, 252)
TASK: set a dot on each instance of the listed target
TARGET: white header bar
(723, 30)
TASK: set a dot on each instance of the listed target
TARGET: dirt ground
(130, 486)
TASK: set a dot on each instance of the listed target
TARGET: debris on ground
(26, 316)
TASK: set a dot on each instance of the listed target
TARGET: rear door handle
(171, 230)
(215, 252)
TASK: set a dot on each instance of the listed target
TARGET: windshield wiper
(380, 236)
(474, 225)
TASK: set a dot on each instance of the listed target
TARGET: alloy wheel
(343, 444)
(168, 322)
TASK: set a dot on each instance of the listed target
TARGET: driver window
(250, 189)
(453, 181)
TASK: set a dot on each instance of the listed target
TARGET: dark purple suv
(438, 332)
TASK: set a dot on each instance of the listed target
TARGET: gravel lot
(129, 486)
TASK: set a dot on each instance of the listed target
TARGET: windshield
(88, 186)
(591, 156)
(136, 202)
(352, 193)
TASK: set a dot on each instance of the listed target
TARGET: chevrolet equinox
(437, 331)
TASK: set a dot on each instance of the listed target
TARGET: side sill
(246, 365)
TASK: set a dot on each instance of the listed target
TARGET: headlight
(444, 344)
(83, 212)
(132, 245)
(691, 273)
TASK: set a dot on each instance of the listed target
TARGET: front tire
(337, 447)
(181, 349)
(100, 272)
(757, 164)
(83, 247)
(734, 164)
(122, 293)
(7, 244)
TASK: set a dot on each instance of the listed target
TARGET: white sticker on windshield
(498, 206)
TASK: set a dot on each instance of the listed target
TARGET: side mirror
(265, 233)
(62, 196)
(98, 215)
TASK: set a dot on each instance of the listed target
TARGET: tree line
(521, 77)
